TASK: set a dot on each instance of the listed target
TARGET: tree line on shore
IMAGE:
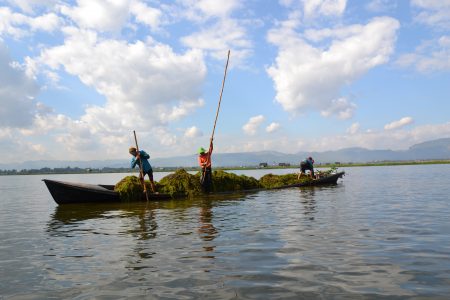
(76, 170)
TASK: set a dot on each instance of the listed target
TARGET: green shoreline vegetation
(76, 170)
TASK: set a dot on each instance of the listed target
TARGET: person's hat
(132, 150)
(201, 150)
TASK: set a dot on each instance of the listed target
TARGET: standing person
(204, 160)
(307, 164)
(147, 168)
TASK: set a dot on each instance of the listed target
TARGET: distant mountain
(435, 149)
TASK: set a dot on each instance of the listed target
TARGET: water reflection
(309, 202)
(206, 230)
(147, 225)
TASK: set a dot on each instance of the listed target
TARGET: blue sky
(77, 77)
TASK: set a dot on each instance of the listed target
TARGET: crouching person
(146, 167)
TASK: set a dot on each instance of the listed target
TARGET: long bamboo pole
(220, 98)
(217, 112)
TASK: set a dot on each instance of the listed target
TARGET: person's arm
(210, 147)
(133, 162)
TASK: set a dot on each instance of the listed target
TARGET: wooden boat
(325, 180)
(69, 192)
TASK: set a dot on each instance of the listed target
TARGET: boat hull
(327, 180)
(69, 193)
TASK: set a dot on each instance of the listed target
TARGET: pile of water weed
(180, 183)
(270, 181)
(224, 182)
(130, 188)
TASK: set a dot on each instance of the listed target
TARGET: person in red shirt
(204, 160)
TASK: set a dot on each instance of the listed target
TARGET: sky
(77, 77)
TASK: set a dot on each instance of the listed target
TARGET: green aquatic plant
(180, 183)
(270, 181)
(129, 188)
(223, 182)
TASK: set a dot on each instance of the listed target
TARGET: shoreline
(69, 170)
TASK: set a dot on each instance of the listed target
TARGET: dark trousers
(304, 166)
(206, 180)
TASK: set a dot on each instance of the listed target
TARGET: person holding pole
(141, 158)
(204, 160)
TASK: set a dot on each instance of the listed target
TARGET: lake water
(382, 232)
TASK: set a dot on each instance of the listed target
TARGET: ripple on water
(378, 234)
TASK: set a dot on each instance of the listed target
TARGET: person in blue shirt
(307, 164)
(147, 168)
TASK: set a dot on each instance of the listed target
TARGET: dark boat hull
(67, 193)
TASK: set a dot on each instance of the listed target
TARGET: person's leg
(208, 180)
(152, 183)
(302, 171)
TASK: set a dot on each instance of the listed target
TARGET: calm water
(382, 232)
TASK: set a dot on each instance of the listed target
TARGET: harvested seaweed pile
(130, 188)
(180, 183)
(271, 181)
(224, 182)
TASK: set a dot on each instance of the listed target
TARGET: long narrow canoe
(69, 192)
(330, 179)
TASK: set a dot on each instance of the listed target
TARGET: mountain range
(430, 150)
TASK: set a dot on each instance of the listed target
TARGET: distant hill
(431, 150)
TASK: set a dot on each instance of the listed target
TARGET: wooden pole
(221, 92)
(140, 166)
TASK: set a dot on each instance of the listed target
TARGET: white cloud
(373, 139)
(386, 139)
(101, 15)
(381, 5)
(17, 92)
(399, 124)
(341, 108)
(48, 22)
(273, 127)
(201, 10)
(316, 8)
(430, 56)
(253, 124)
(218, 38)
(146, 15)
(353, 129)
(19, 25)
(324, 7)
(28, 6)
(434, 13)
(314, 79)
(146, 85)
(148, 81)
(193, 132)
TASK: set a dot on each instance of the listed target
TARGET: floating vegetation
(271, 181)
(224, 182)
(180, 183)
(129, 188)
